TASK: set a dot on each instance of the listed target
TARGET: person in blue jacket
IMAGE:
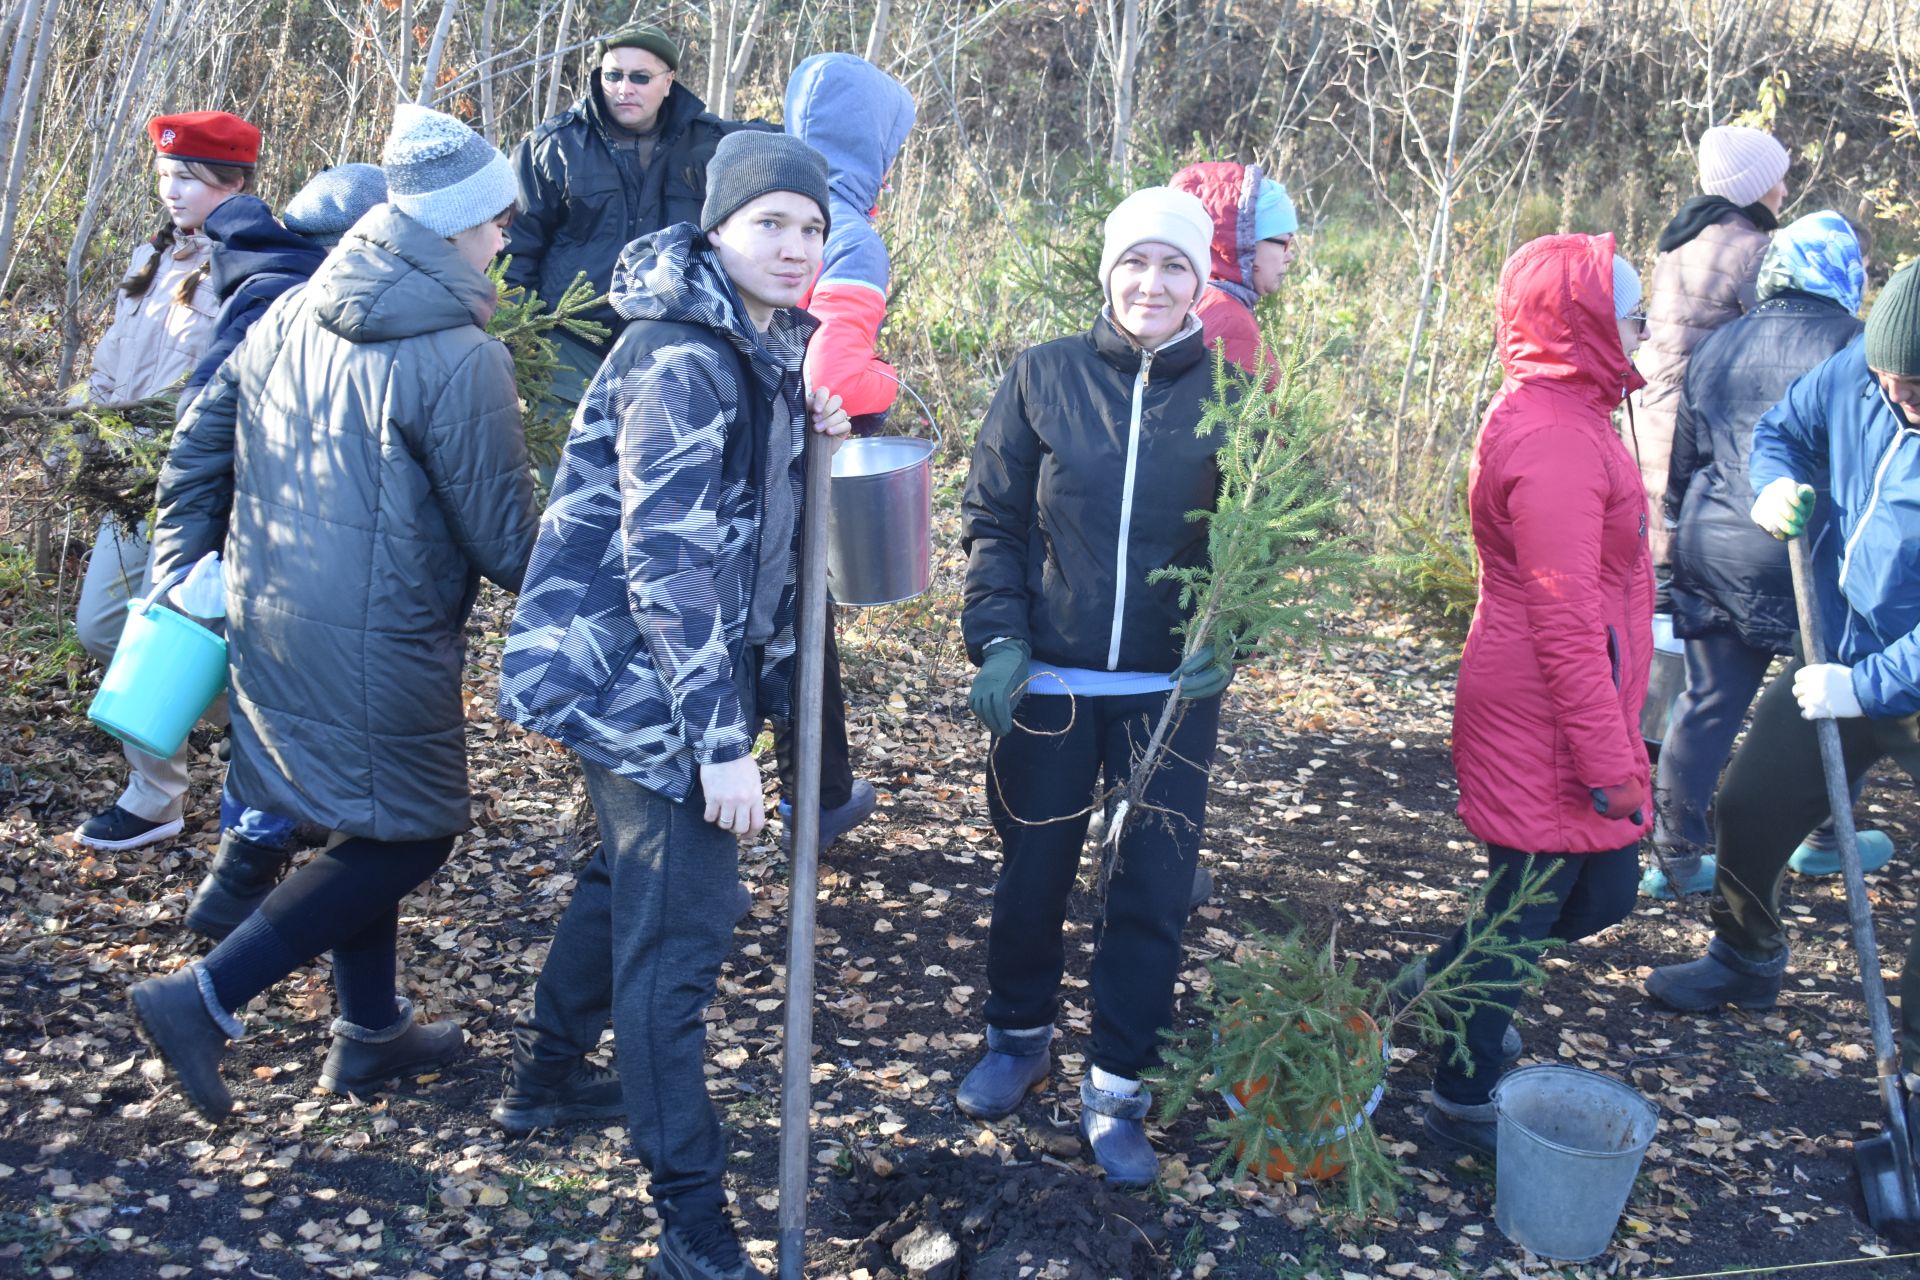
(1839, 460)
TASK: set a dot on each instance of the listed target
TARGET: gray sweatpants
(117, 572)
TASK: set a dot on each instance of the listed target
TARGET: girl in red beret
(162, 322)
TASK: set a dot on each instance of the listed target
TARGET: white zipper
(1126, 510)
(1879, 474)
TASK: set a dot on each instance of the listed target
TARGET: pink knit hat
(1739, 163)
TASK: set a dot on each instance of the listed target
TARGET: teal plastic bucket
(163, 677)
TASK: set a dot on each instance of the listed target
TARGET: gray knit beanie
(442, 174)
(748, 164)
(1893, 326)
(333, 200)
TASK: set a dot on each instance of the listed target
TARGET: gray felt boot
(1016, 1062)
(363, 1058)
(1115, 1126)
(1722, 976)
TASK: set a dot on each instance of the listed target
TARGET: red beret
(212, 137)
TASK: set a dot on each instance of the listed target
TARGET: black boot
(545, 1093)
(242, 875)
(363, 1058)
(173, 1017)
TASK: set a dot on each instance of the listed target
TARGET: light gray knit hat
(442, 174)
(333, 200)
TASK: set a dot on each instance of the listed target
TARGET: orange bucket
(1340, 1119)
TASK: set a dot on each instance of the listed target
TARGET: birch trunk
(20, 130)
(558, 64)
(487, 122)
(96, 187)
(877, 33)
(430, 73)
(1126, 56)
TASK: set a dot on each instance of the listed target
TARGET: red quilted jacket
(1556, 663)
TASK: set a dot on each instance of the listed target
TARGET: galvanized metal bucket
(880, 535)
(1570, 1144)
(1665, 683)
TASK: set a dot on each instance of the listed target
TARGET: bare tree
(430, 73)
(17, 136)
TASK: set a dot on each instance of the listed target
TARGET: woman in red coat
(1546, 736)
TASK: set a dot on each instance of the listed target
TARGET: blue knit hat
(1273, 212)
(442, 174)
(333, 200)
(1626, 288)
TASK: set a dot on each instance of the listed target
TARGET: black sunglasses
(640, 78)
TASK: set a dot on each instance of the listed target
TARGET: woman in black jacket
(1732, 594)
(1085, 471)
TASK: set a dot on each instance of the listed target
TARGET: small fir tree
(523, 321)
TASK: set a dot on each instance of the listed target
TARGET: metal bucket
(1666, 681)
(880, 532)
(1571, 1143)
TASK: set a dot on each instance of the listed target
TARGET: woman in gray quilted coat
(359, 462)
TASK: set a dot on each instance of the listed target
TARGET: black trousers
(1040, 781)
(1590, 891)
(1774, 791)
(836, 770)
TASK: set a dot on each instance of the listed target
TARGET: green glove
(999, 685)
(1203, 675)
(1784, 507)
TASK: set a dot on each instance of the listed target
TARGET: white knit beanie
(1626, 288)
(1166, 216)
(1739, 163)
(442, 174)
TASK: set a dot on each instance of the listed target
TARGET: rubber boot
(363, 1058)
(1469, 1127)
(1722, 976)
(1016, 1062)
(1876, 851)
(1115, 1126)
(175, 1016)
(545, 1093)
(242, 875)
(1202, 888)
(1658, 885)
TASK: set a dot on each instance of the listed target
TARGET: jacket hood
(392, 278)
(249, 241)
(1229, 192)
(854, 114)
(1556, 318)
(681, 106)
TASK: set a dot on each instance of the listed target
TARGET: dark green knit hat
(1893, 326)
(641, 36)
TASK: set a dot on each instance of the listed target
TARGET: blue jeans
(671, 880)
(256, 826)
(1588, 892)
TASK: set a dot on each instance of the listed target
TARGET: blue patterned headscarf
(1817, 254)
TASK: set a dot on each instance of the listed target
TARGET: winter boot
(1469, 1127)
(175, 1016)
(1876, 851)
(1202, 888)
(1661, 887)
(702, 1248)
(1115, 1126)
(242, 875)
(545, 1093)
(1722, 976)
(834, 822)
(362, 1058)
(1016, 1062)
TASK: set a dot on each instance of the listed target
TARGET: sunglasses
(1637, 319)
(639, 79)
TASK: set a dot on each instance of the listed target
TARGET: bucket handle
(938, 438)
(145, 604)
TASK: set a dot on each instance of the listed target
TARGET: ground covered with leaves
(1332, 806)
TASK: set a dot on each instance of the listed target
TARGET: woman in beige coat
(162, 323)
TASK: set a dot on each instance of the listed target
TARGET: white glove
(1825, 692)
(1783, 507)
(203, 593)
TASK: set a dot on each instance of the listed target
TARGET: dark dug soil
(1332, 805)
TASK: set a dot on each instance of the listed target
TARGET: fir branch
(523, 321)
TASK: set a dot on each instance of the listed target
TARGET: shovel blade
(1892, 1204)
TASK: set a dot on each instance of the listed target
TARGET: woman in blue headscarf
(1732, 594)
